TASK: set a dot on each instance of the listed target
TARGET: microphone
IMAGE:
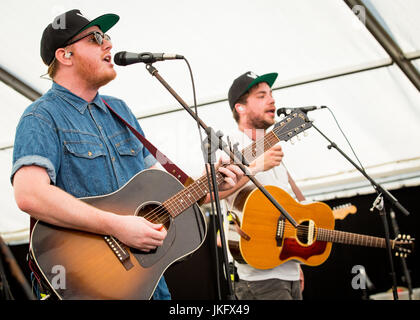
(125, 58)
(286, 111)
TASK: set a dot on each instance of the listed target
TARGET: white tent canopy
(322, 50)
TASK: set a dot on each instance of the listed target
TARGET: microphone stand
(209, 147)
(215, 139)
(407, 276)
(379, 205)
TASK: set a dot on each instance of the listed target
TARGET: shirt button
(90, 154)
(113, 158)
(132, 151)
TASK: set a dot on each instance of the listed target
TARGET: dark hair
(242, 100)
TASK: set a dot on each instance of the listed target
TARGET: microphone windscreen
(119, 58)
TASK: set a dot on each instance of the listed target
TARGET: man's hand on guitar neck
(232, 174)
(270, 159)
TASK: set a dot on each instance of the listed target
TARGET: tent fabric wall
(374, 103)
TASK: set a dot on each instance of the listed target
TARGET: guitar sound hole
(306, 232)
(155, 212)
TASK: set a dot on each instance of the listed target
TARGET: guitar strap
(164, 160)
(295, 188)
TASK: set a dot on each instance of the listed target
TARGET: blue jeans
(162, 291)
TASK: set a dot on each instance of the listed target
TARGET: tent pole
(389, 45)
(18, 85)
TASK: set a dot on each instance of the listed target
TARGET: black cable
(338, 125)
(208, 180)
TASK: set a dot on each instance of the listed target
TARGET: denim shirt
(84, 148)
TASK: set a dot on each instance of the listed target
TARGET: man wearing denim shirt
(68, 145)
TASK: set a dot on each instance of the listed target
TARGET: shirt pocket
(84, 149)
(127, 144)
(85, 167)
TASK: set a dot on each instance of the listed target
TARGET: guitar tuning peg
(396, 254)
(298, 137)
(399, 236)
(292, 140)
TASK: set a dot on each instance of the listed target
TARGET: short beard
(90, 74)
(260, 124)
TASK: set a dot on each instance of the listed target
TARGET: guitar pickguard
(292, 248)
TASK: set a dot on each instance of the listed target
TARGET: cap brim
(270, 78)
(104, 22)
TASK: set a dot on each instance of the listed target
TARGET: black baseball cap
(67, 25)
(245, 82)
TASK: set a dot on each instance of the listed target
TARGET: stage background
(325, 53)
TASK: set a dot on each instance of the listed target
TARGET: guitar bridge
(280, 231)
(118, 248)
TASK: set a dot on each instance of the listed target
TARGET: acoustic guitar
(272, 240)
(81, 265)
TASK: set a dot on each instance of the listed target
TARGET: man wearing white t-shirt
(250, 98)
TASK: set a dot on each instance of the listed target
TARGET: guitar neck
(259, 146)
(190, 195)
(351, 238)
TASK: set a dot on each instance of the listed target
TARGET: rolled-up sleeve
(36, 143)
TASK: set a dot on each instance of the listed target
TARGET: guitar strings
(303, 231)
(160, 211)
(157, 212)
(268, 138)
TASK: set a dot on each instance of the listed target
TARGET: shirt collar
(77, 102)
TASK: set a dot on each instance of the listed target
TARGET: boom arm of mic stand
(377, 186)
(222, 145)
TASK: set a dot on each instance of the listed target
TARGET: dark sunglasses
(98, 37)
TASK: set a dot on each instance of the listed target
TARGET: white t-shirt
(276, 176)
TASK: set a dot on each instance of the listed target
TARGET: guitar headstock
(403, 245)
(341, 211)
(292, 125)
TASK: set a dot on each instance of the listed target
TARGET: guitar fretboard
(191, 194)
(283, 130)
(351, 238)
(254, 150)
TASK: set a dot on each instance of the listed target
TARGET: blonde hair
(52, 68)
